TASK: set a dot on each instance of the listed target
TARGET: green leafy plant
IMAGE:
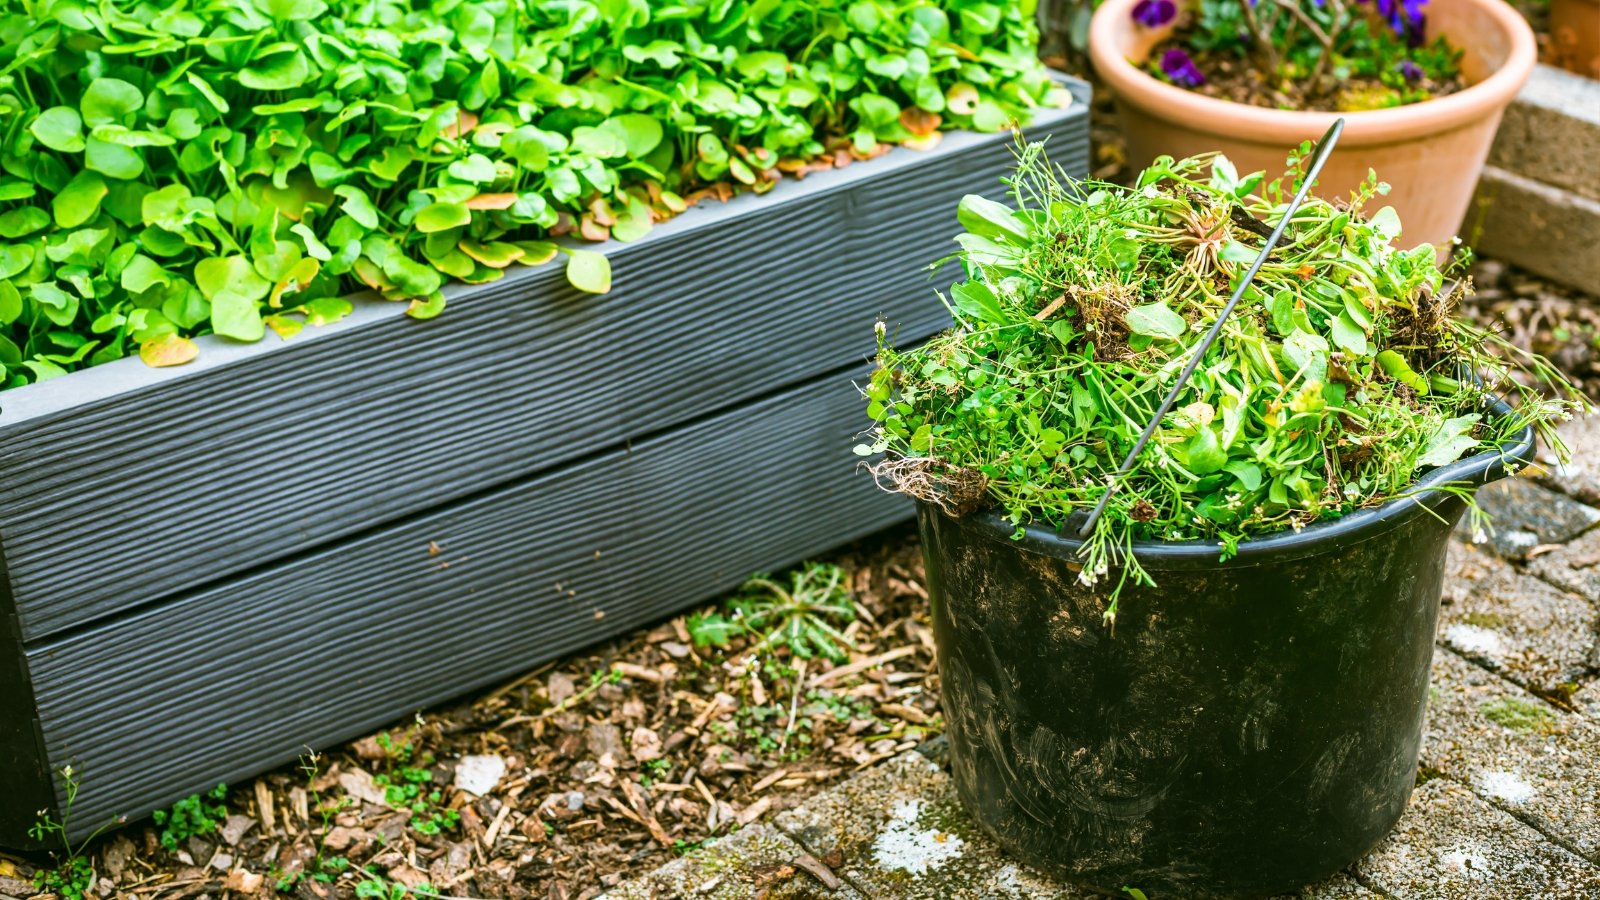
(374, 887)
(1339, 379)
(411, 788)
(73, 874)
(194, 816)
(230, 167)
(805, 616)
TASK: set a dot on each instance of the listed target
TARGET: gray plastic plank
(321, 647)
(122, 485)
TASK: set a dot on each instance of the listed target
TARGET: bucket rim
(1474, 471)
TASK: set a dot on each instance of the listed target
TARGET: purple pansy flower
(1405, 17)
(1411, 71)
(1151, 13)
(1181, 69)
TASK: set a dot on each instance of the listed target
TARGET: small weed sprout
(323, 868)
(194, 816)
(805, 616)
(73, 875)
(375, 887)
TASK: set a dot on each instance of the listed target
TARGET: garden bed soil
(564, 821)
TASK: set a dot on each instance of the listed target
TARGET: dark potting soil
(1230, 77)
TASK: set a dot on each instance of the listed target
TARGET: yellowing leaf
(495, 254)
(426, 309)
(298, 277)
(537, 253)
(168, 350)
(284, 326)
(492, 201)
(589, 271)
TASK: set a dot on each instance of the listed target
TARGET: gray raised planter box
(204, 570)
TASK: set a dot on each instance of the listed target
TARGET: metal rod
(1318, 157)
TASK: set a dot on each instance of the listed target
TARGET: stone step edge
(1551, 132)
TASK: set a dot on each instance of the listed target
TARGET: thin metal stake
(1318, 157)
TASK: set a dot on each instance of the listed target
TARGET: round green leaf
(281, 71)
(10, 303)
(127, 137)
(79, 201)
(589, 271)
(412, 278)
(639, 133)
(1156, 320)
(16, 189)
(357, 206)
(1205, 452)
(113, 160)
(23, 220)
(218, 275)
(143, 273)
(292, 10)
(442, 216)
(476, 168)
(236, 316)
(109, 99)
(15, 259)
(59, 128)
(597, 142)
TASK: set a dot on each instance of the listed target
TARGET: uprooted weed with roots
(1341, 377)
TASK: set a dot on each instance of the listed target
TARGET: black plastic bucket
(1246, 728)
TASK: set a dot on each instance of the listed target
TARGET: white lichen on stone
(1467, 861)
(1476, 639)
(905, 845)
(1507, 786)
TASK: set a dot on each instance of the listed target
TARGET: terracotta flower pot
(1575, 36)
(1429, 152)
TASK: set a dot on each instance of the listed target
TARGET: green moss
(1518, 714)
(1484, 619)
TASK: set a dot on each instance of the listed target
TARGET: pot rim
(1111, 30)
(1363, 524)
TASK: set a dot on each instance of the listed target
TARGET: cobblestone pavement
(1508, 801)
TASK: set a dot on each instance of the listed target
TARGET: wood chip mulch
(592, 770)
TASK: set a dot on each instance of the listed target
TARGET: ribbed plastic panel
(308, 651)
(122, 485)
(204, 570)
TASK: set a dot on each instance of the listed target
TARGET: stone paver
(1539, 635)
(1587, 701)
(1512, 748)
(1526, 515)
(903, 835)
(1579, 478)
(1574, 566)
(1453, 845)
(751, 861)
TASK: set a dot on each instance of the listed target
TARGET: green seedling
(804, 616)
(194, 816)
(73, 875)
